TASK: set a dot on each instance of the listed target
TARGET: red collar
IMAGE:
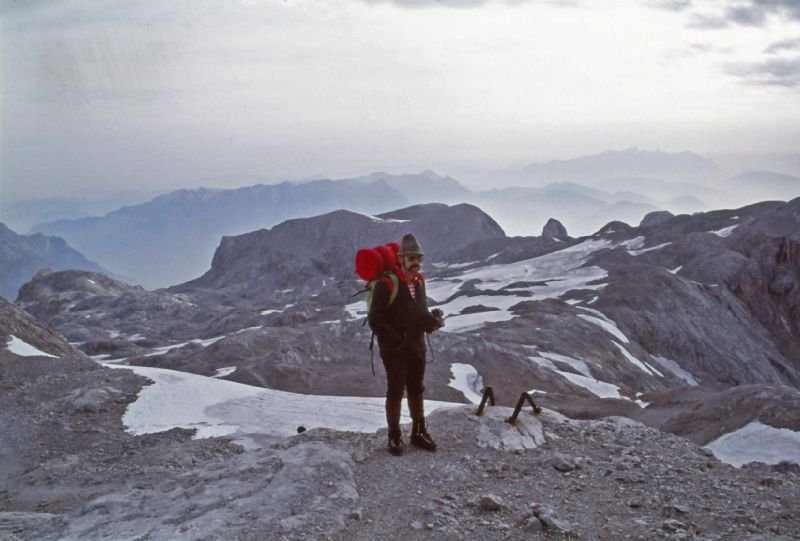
(403, 277)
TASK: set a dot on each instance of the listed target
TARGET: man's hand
(438, 315)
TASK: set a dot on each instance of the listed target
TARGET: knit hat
(409, 246)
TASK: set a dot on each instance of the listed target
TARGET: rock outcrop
(652, 219)
(554, 228)
(24, 255)
(306, 254)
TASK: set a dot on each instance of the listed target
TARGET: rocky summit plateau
(241, 404)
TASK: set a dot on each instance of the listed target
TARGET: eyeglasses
(414, 257)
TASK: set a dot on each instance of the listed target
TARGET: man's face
(411, 263)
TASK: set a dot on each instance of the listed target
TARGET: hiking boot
(420, 437)
(396, 445)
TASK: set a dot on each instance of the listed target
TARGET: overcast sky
(122, 94)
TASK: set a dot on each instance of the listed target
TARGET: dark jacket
(401, 327)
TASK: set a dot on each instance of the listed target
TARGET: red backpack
(375, 265)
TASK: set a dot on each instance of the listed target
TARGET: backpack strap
(392, 281)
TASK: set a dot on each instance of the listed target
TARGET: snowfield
(24, 349)
(217, 407)
(467, 380)
(545, 277)
(757, 442)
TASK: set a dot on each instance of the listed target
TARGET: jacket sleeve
(378, 317)
(429, 322)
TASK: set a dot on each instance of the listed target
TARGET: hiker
(400, 326)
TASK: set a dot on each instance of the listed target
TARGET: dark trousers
(404, 372)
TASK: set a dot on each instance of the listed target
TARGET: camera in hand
(438, 316)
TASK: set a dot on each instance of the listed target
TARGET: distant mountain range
(172, 238)
(683, 166)
(22, 215)
(23, 256)
(765, 185)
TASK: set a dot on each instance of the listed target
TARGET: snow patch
(205, 343)
(633, 244)
(501, 302)
(470, 322)
(577, 364)
(725, 231)
(643, 366)
(216, 407)
(462, 265)
(604, 323)
(674, 368)
(23, 349)
(650, 249)
(356, 310)
(467, 380)
(757, 442)
(594, 386)
(222, 372)
(441, 290)
(675, 270)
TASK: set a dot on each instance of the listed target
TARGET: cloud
(725, 13)
(792, 44)
(671, 5)
(774, 72)
(708, 22)
(747, 15)
(789, 8)
(466, 4)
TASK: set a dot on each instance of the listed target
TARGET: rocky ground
(70, 471)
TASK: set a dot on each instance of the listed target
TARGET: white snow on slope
(470, 322)
(643, 366)
(672, 366)
(218, 408)
(460, 323)
(632, 244)
(502, 302)
(24, 349)
(725, 231)
(757, 442)
(558, 272)
(467, 380)
(675, 270)
(562, 268)
(441, 290)
(599, 388)
(461, 265)
(577, 364)
(606, 324)
(650, 249)
(225, 371)
(356, 310)
(206, 342)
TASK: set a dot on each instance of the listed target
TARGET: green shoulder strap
(391, 280)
